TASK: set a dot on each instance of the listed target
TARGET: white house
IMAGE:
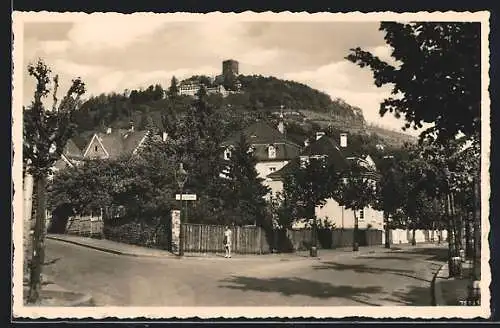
(271, 148)
(332, 212)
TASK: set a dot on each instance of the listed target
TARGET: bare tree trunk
(38, 256)
(453, 261)
(387, 231)
(28, 202)
(457, 226)
(355, 244)
(413, 240)
(314, 243)
(469, 241)
(433, 231)
(477, 226)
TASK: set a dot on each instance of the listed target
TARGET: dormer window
(227, 154)
(271, 151)
(304, 161)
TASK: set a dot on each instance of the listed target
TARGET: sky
(114, 53)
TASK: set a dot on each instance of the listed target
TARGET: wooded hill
(259, 97)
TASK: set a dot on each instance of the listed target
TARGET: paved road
(340, 278)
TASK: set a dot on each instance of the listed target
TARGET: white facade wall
(275, 186)
(344, 218)
(266, 168)
(404, 236)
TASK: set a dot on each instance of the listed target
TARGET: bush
(135, 233)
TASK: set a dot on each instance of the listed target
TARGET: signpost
(189, 197)
(176, 231)
(185, 197)
(181, 176)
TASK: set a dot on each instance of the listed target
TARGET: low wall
(200, 238)
(404, 236)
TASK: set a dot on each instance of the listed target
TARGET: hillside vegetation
(258, 97)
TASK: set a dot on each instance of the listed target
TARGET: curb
(437, 292)
(206, 257)
(107, 250)
(83, 300)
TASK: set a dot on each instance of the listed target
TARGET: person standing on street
(227, 241)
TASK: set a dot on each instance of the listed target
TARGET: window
(361, 215)
(272, 169)
(227, 154)
(304, 160)
(271, 151)
(95, 148)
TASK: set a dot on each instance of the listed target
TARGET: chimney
(281, 124)
(108, 131)
(281, 127)
(319, 135)
(343, 140)
(131, 129)
(165, 136)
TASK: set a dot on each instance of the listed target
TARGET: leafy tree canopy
(437, 78)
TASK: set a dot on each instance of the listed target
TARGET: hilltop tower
(230, 66)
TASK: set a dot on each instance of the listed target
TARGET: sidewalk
(113, 247)
(138, 251)
(451, 291)
(52, 294)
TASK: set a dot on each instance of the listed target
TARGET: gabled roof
(120, 142)
(71, 151)
(323, 146)
(261, 135)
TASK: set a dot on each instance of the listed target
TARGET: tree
(173, 90)
(245, 193)
(158, 92)
(281, 210)
(392, 191)
(309, 186)
(196, 140)
(438, 78)
(143, 184)
(443, 171)
(44, 137)
(357, 192)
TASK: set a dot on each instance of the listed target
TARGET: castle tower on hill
(230, 66)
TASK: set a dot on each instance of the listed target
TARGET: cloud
(116, 52)
(111, 30)
(347, 81)
(341, 75)
(108, 83)
(54, 47)
(118, 80)
(260, 56)
(72, 69)
(384, 53)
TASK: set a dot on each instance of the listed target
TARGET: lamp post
(181, 176)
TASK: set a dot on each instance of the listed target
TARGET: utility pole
(181, 176)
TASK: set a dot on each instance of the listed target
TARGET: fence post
(260, 240)
(237, 239)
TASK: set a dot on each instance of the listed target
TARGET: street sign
(185, 197)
